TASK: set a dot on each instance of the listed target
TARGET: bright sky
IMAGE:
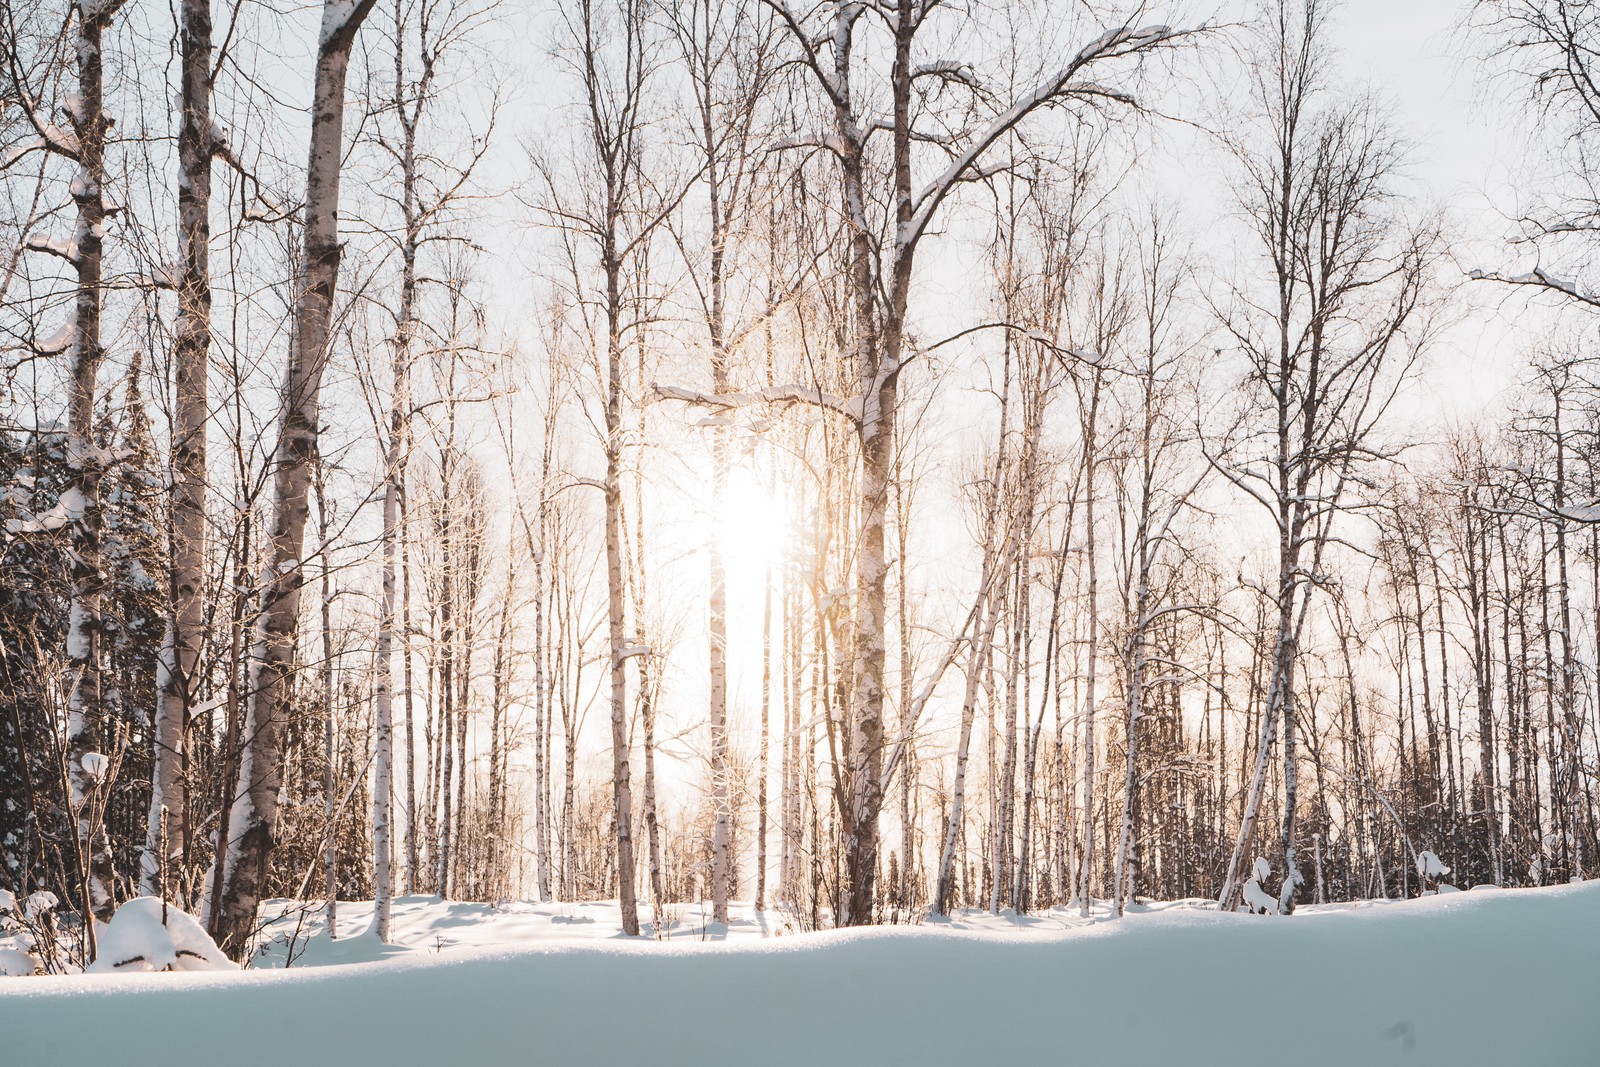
(1470, 156)
(1411, 53)
(1414, 55)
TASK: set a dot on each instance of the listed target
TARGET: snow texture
(336, 15)
(65, 248)
(58, 342)
(1511, 979)
(69, 507)
(1258, 901)
(15, 963)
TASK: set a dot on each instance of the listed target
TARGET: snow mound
(146, 935)
(1510, 978)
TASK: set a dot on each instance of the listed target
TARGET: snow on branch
(1430, 867)
(1586, 513)
(1539, 279)
(58, 342)
(826, 141)
(164, 276)
(1081, 88)
(61, 247)
(69, 508)
(11, 156)
(950, 70)
(340, 20)
(99, 10)
(51, 138)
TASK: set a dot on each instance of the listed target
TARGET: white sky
(1414, 56)
(1417, 56)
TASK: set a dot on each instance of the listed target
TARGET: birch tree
(255, 816)
(1154, 487)
(423, 38)
(612, 218)
(91, 731)
(177, 678)
(1342, 323)
(727, 49)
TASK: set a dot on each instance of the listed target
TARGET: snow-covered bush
(39, 905)
(28, 943)
(146, 934)
(15, 959)
(1257, 901)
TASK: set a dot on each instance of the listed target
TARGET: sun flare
(752, 527)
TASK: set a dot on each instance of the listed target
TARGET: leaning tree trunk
(180, 649)
(1233, 882)
(943, 887)
(255, 808)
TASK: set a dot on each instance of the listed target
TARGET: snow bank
(1465, 978)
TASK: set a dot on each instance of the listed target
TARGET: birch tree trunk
(763, 756)
(90, 724)
(616, 598)
(191, 352)
(255, 807)
(393, 488)
(326, 671)
(383, 697)
(1091, 461)
(1328, 355)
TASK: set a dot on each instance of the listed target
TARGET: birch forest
(845, 463)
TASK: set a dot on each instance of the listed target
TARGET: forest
(860, 461)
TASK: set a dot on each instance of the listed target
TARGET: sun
(752, 527)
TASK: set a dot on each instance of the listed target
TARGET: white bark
(89, 719)
(255, 809)
(180, 649)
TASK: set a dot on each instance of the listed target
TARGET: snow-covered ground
(1485, 977)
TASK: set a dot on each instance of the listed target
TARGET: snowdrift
(1466, 978)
